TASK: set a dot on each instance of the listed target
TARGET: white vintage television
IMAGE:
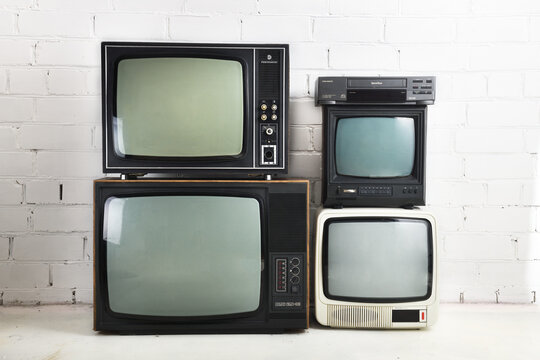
(376, 268)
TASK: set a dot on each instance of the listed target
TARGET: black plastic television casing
(342, 190)
(266, 81)
(345, 97)
(284, 206)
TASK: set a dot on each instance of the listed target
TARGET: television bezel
(264, 319)
(257, 194)
(368, 299)
(247, 161)
(322, 301)
(333, 180)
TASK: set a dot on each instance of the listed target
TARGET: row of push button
(410, 190)
(375, 190)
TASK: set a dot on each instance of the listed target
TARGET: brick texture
(483, 131)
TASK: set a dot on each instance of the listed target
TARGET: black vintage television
(375, 140)
(195, 256)
(194, 108)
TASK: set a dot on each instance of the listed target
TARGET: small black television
(200, 256)
(376, 268)
(194, 108)
(374, 140)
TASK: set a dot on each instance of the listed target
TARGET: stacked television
(376, 253)
(206, 241)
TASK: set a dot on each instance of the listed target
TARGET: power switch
(422, 316)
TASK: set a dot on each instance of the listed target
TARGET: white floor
(507, 332)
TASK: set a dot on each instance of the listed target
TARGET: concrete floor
(462, 332)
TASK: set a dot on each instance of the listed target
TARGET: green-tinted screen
(375, 146)
(183, 255)
(179, 107)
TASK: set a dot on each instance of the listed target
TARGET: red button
(422, 315)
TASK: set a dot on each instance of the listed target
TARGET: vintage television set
(375, 268)
(375, 140)
(195, 256)
(194, 108)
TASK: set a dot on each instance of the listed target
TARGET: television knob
(295, 279)
(269, 131)
(264, 117)
(274, 107)
(264, 107)
(274, 117)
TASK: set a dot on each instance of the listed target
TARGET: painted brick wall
(484, 131)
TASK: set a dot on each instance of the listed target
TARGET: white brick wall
(483, 139)
(41, 247)
(55, 23)
(205, 28)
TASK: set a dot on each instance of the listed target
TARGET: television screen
(179, 107)
(375, 147)
(374, 259)
(183, 255)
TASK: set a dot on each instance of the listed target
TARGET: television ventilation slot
(346, 316)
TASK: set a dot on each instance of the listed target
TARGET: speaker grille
(349, 316)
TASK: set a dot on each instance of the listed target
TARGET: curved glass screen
(375, 147)
(183, 255)
(378, 259)
(179, 107)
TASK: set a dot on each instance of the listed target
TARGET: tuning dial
(264, 117)
(274, 107)
(264, 107)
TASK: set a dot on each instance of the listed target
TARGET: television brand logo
(269, 60)
(376, 83)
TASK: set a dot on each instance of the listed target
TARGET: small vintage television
(375, 268)
(194, 108)
(195, 256)
(375, 140)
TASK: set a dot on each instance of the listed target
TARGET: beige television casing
(349, 314)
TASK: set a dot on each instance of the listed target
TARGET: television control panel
(417, 90)
(289, 283)
(364, 195)
(270, 108)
